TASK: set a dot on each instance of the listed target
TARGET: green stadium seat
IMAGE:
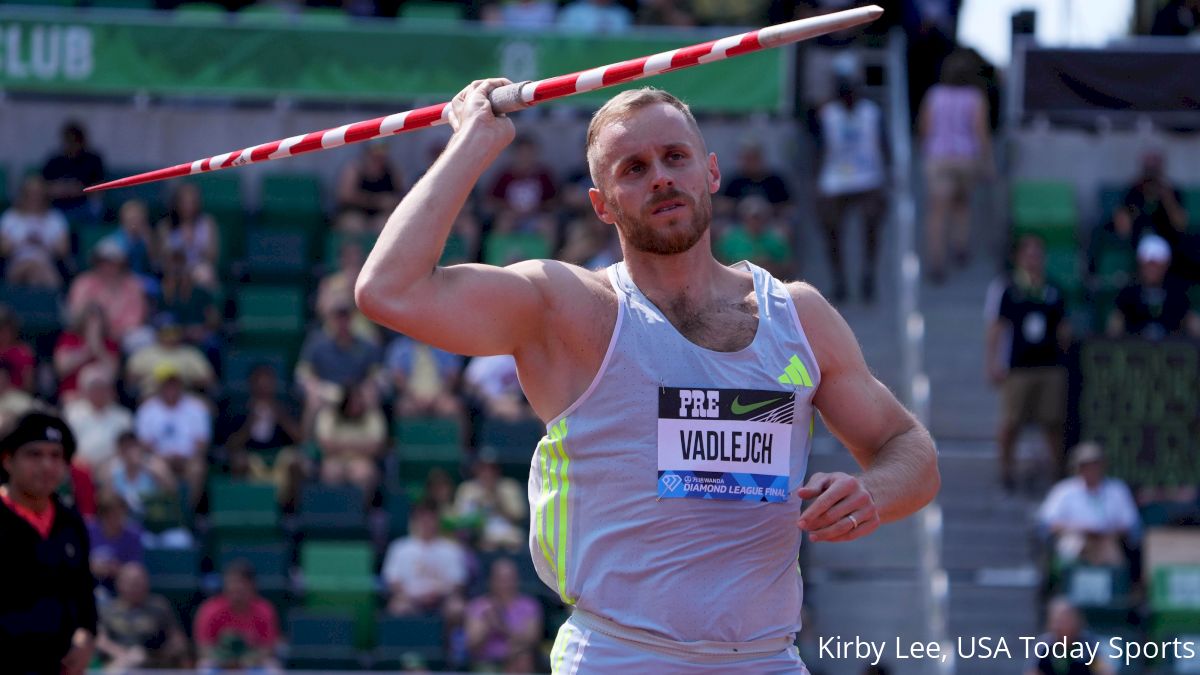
(271, 311)
(264, 15)
(513, 442)
(397, 506)
(87, 235)
(508, 248)
(143, 5)
(332, 512)
(341, 576)
(1109, 198)
(1191, 203)
(423, 443)
(334, 241)
(1174, 601)
(221, 194)
(1064, 268)
(292, 200)
(321, 641)
(431, 12)
(399, 637)
(38, 309)
(163, 511)
(324, 17)
(200, 12)
(1046, 209)
(4, 190)
(242, 511)
(276, 254)
(175, 574)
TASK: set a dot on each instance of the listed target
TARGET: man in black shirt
(1155, 306)
(47, 606)
(68, 172)
(1034, 383)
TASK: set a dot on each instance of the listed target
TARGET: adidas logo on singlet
(796, 373)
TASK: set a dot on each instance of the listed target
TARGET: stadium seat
(200, 12)
(237, 362)
(397, 506)
(332, 512)
(270, 313)
(334, 241)
(1174, 600)
(175, 574)
(1046, 209)
(431, 12)
(163, 511)
(4, 199)
(292, 200)
(400, 637)
(122, 4)
(1191, 203)
(1101, 593)
(264, 14)
(514, 443)
(272, 569)
(508, 248)
(324, 17)
(87, 235)
(341, 576)
(426, 442)
(153, 195)
(38, 309)
(241, 511)
(276, 254)
(1064, 268)
(221, 194)
(321, 641)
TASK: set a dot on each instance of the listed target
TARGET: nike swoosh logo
(738, 409)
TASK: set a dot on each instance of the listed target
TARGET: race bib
(724, 444)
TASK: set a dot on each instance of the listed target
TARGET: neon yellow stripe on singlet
(543, 499)
(563, 521)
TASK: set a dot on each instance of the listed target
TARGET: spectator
(525, 188)
(192, 307)
(168, 350)
(14, 401)
(1111, 252)
(504, 626)
(425, 379)
(664, 13)
(96, 418)
(70, 171)
(527, 15)
(1064, 624)
(139, 629)
(334, 358)
(1034, 384)
(1155, 306)
(438, 493)
(237, 629)
(116, 539)
(725, 13)
(34, 242)
(1155, 203)
(1177, 18)
(589, 243)
(1091, 517)
(188, 229)
(956, 145)
(753, 176)
(424, 572)
(594, 17)
(265, 429)
(176, 426)
(352, 437)
(757, 238)
(85, 343)
(849, 131)
(111, 285)
(492, 381)
(337, 288)
(136, 475)
(507, 243)
(496, 502)
(137, 239)
(368, 191)
(17, 354)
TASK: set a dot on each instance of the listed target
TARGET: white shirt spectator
(1108, 509)
(493, 376)
(437, 566)
(174, 430)
(33, 235)
(96, 430)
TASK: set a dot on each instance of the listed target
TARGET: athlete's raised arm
(467, 309)
(896, 453)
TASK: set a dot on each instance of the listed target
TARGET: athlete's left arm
(896, 453)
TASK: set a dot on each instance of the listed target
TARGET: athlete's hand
(833, 498)
(471, 110)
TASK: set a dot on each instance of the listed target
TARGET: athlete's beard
(666, 239)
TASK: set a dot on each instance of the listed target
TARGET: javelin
(519, 95)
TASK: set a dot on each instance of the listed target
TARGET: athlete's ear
(714, 174)
(600, 206)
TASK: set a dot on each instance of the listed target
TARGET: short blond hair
(624, 105)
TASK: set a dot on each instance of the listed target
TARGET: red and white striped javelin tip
(517, 96)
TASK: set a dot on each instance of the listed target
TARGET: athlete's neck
(692, 277)
(25, 500)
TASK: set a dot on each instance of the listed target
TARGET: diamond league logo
(671, 481)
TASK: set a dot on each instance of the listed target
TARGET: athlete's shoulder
(806, 297)
(833, 343)
(565, 284)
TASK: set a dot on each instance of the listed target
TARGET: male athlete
(678, 394)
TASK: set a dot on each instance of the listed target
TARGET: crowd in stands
(145, 357)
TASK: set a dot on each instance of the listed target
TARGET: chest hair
(720, 327)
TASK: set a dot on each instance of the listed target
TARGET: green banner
(376, 61)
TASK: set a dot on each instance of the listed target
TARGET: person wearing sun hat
(47, 606)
